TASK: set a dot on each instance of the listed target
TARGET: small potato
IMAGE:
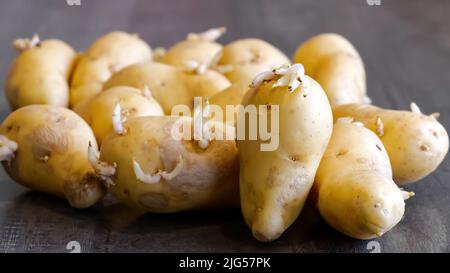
(243, 59)
(333, 61)
(198, 47)
(104, 57)
(51, 153)
(274, 184)
(353, 189)
(416, 143)
(98, 111)
(40, 74)
(158, 173)
(170, 86)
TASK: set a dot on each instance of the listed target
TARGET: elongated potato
(416, 143)
(275, 184)
(354, 190)
(197, 47)
(333, 61)
(157, 172)
(104, 57)
(40, 74)
(51, 153)
(170, 86)
(98, 111)
(245, 58)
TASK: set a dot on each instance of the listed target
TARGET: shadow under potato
(119, 228)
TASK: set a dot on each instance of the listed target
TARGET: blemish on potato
(378, 147)
(424, 147)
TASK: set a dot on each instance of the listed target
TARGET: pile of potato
(100, 121)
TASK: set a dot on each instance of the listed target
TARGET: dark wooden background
(406, 48)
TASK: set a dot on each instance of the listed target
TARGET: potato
(416, 143)
(242, 73)
(52, 153)
(333, 61)
(98, 111)
(275, 184)
(353, 189)
(40, 74)
(158, 173)
(231, 96)
(200, 48)
(170, 86)
(104, 57)
(244, 59)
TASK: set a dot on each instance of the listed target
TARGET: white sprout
(358, 124)
(204, 130)
(208, 35)
(283, 81)
(103, 170)
(261, 77)
(143, 177)
(24, 44)
(146, 92)
(380, 127)
(176, 171)
(435, 115)
(367, 100)
(7, 148)
(196, 67)
(117, 120)
(282, 70)
(406, 195)
(158, 54)
(293, 84)
(291, 76)
(415, 108)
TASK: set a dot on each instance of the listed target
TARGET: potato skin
(275, 184)
(53, 153)
(208, 178)
(40, 75)
(334, 62)
(97, 112)
(248, 57)
(200, 50)
(170, 86)
(231, 96)
(104, 57)
(416, 143)
(353, 189)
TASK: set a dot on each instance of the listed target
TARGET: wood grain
(406, 48)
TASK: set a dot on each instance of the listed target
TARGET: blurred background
(405, 45)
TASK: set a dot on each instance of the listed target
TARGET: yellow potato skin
(170, 86)
(252, 51)
(107, 55)
(208, 179)
(52, 155)
(231, 96)
(275, 184)
(246, 58)
(416, 143)
(200, 50)
(97, 112)
(353, 189)
(334, 62)
(40, 75)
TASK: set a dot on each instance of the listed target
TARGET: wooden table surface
(406, 48)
